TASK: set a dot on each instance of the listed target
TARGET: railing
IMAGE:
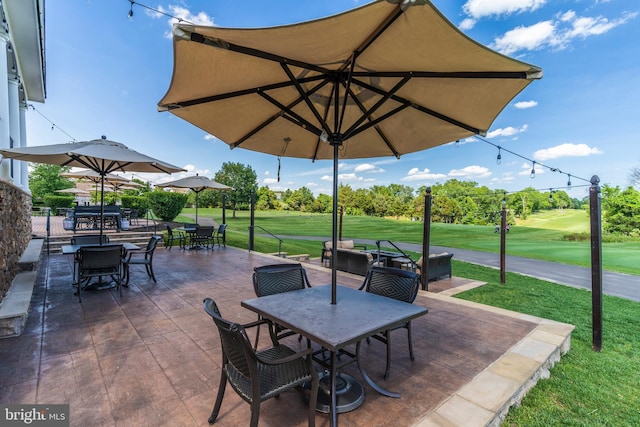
(269, 233)
(413, 263)
(155, 223)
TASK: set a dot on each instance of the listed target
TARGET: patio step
(139, 238)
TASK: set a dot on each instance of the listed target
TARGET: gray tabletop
(72, 249)
(355, 316)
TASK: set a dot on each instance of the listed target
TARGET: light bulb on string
(569, 182)
(130, 14)
(533, 170)
(499, 157)
(550, 195)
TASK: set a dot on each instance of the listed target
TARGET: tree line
(454, 201)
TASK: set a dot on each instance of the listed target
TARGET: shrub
(141, 203)
(166, 206)
(55, 202)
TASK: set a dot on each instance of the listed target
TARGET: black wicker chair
(97, 262)
(258, 376)
(141, 258)
(393, 283)
(276, 279)
(220, 235)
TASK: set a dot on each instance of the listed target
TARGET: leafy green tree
(266, 199)
(623, 212)
(242, 178)
(45, 180)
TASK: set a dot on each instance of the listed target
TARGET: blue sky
(106, 73)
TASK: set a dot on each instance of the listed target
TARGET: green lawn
(541, 241)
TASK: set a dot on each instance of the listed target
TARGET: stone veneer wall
(15, 231)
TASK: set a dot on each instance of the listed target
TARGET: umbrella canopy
(196, 183)
(386, 79)
(99, 155)
(95, 177)
(74, 190)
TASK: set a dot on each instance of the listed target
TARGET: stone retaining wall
(15, 231)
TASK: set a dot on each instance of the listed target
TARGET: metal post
(596, 263)
(224, 205)
(426, 239)
(341, 214)
(253, 220)
(503, 243)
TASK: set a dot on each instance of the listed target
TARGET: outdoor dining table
(355, 316)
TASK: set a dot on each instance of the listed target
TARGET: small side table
(403, 263)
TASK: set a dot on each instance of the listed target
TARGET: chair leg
(216, 406)
(255, 411)
(410, 342)
(313, 400)
(150, 271)
(387, 335)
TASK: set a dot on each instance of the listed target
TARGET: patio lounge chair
(97, 262)
(141, 258)
(276, 279)
(393, 283)
(258, 376)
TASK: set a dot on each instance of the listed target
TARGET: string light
(569, 182)
(53, 125)
(499, 158)
(550, 195)
(160, 12)
(533, 169)
(130, 14)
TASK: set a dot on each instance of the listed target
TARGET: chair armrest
(257, 323)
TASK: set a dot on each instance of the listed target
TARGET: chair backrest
(221, 229)
(99, 257)
(390, 282)
(205, 231)
(151, 246)
(190, 226)
(236, 347)
(279, 278)
(89, 239)
(169, 231)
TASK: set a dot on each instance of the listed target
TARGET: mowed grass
(542, 241)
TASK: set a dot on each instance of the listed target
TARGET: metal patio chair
(98, 262)
(141, 258)
(276, 279)
(398, 284)
(259, 375)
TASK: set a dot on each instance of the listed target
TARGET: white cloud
(527, 38)
(312, 184)
(467, 24)
(181, 14)
(267, 173)
(508, 131)
(481, 8)
(416, 174)
(326, 178)
(269, 180)
(369, 168)
(470, 172)
(558, 33)
(565, 150)
(525, 104)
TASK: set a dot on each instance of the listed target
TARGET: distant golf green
(539, 237)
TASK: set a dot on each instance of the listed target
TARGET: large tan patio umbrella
(95, 177)
(197, 184)
(100, 155)
(388, 78)
(75, 191)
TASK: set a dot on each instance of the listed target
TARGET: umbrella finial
(104, 137)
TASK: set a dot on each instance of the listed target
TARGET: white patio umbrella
(99, 155)
(386, 79)
(74, 190)
(95, 177)
(197, 184)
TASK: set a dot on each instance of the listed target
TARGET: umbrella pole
(197, 193)
(334, 228)
(101, 207)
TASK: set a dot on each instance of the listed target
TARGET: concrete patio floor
(153, 356)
